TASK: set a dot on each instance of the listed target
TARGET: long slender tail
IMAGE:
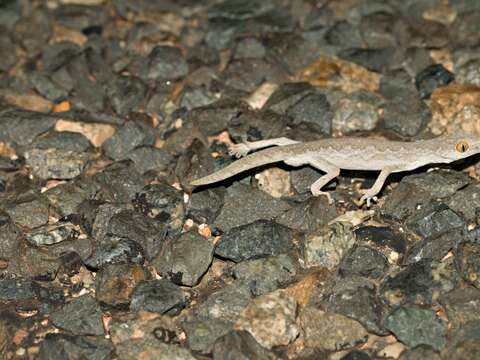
(251, 161)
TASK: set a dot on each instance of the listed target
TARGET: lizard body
(349, 153)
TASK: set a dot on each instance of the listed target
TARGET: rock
(270, 319)
(185, 259)
(165, 63)
(415, 326)
(215, 317)
(265, 275)
(115, 283)
(259, 239)
(240, 345)
(364, 261)
(327, 246)
(130, 136)
(64, 346)
(330, 331)
(82, 316)
(432, 77)
(160, 296)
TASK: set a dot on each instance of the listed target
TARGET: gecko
(330, 155)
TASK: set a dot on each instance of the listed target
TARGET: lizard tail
(251, 161)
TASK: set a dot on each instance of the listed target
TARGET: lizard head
(460, 145)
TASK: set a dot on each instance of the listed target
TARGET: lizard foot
(367, 197)
(327, 194)
(238, 150)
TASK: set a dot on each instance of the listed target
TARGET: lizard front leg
(369, 194)
(242, 149)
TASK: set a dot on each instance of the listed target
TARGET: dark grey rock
(439, 183)
(266, 275)
(33, 30)
(419, 283)
(356, 355)
(62, 140)
(26, 209)
(193, 97)
(127, 138)
(240, 345)
(308, 216)
(185, 259)
(287, 95)
(397, 82)
(115, 250)
(22, 126)
(465, 30)
(360, 303)
(163, 202)
(327, 246)
(377, 29)
(434, 219)
(160, 296)
(252, 126)
(461, 306)
(466, 202)
(314, 110)
(148, 158)
(125, 94)
(364, 261)
(416, 326)
(79, 16)
(215, 317)
(435, 247)
(419, 32)
(418, 190)
(330, 331)
(247, 74)
(419, 353)
(51, 234)
(382, 237)
(467, 69)
(96, 216)
(64, 346)
(8, 49)
(468, 263)
(204, 206)
(407, 115)
(244, 205)
(257, 239)
(66, 197)
(56, 164)
(214, 118)
(357, 111)
(374, 59)
(148, 233)
(120, 181)
(82, 316)
(249, 48)
(90, 93)
(344, 34)
(165, 63)
(17, 290)
(432, 77)
(114, 283)
(47, 87)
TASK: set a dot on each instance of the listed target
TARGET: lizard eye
(462, 146)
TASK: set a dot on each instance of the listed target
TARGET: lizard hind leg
(370, 194)
(331, 173)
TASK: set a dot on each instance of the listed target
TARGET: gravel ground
(108, 109)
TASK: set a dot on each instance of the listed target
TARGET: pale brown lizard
(349, 153)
